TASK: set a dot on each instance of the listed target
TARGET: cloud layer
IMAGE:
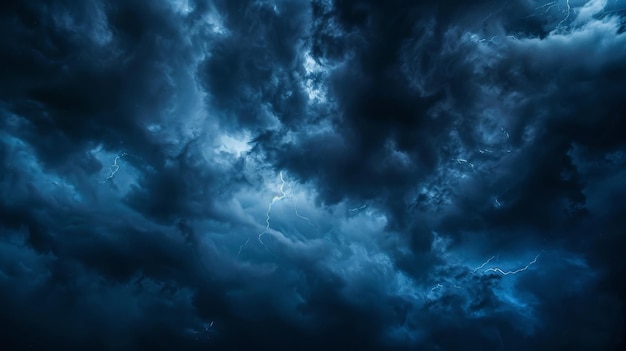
(342, 175)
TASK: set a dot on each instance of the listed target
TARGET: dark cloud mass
(312, 175)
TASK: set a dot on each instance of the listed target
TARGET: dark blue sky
(312, 175)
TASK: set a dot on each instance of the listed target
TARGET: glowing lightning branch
(242, 247)
(114, 167)
(295, 208)
(484, 264)
(284, 193)
(569, 9)
(494, 11)
(357, 208)
(269, 207)
(498, 270)
(547, 7)
(438, 286)
(491, 40)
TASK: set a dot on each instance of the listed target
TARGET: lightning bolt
(243, 246)
(284, 193)
(114, 167)
(483, 265)
(491, 40)
(295, 208)
(269, 207)
(547, 7)
(438, 286)
(498, 270)
(357, 208)
(568, 11)
(494, 11)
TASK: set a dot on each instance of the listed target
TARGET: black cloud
(344, 175)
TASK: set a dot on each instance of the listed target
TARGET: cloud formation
(343, 175)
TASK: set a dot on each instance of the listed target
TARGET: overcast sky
(312, 175)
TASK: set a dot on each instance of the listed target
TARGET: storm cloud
(309, 175)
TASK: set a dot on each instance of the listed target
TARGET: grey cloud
(323, 175)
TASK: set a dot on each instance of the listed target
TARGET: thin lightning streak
(242, 247)
(547, 6)
(491, 40)
(484, 264)
(295, 202)
(438, 286)
(295, 207)
(494, 11)
(498, 270)
(357, 208)
(283, 195)
(114, 167)
(569, 8)
(269, 207)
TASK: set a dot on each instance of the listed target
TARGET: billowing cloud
(344, 175)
